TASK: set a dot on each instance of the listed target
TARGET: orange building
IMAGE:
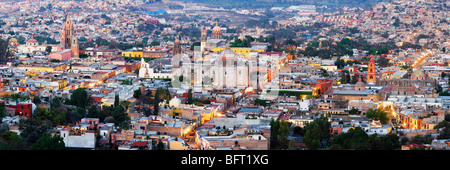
(322, 86)
(371, 73)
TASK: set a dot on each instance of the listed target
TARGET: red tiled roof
(32, 40)
(139, 144)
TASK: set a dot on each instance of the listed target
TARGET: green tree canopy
(32, 129)
(351, 139)
(49, 142)
(317, 133)
(378, 114)
(79, 98)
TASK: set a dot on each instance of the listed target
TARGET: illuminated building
(371, 74)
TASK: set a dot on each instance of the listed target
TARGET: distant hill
(258, 4)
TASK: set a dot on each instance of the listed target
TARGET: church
(68, 40)
(224, 69)
(215, 40)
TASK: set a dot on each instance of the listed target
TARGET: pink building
(61, 55)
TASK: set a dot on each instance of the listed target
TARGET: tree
(79, 98)
(55, 116)
(375, 142)
(31, 129)
(391, 141)
(353, 111)
(190, 101)
(36, 99)
(93, 112)
(283, 133)
(420, 139)
(383, 62)
(116, 100)
(48, 49)
(444, 132)
(125, 104)
(109, 119)
(351, 139)
(274, 126)
(3, 128)
(137, 93)
(4, 50)
(317, 133)
(160, 145)
(15, 142)
(195, 44)
(74, 116)
(291, 145)
(2, 112)
(126, 82)
(378, 114)
(119, 115)
(49, 142)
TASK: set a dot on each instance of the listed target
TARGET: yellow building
(132, 53)
(43, 68)
(176, 111)
(178, 144)
(207, 115)
(239, 50)
(315, 65)
(62, 83)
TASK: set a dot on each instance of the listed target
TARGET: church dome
(360, 86)
(217, 28)
(32, 40)
(418, 73)
(228, 53)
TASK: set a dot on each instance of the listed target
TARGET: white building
(154, 71)
(227, 70)
(304, 105)
(81, 140)
(32, 46)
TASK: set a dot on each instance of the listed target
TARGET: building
(371, 73)
(240, 139)
(32, 46)
(216, 32)
(154, 71)
(222, 71)
(177, 47)
(21, 109)
(63, 55)
(203, 39)
(68, 39)
(78, 138)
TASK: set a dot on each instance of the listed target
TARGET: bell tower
(203, 39)
(371, 73)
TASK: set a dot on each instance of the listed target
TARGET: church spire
(68, 18)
